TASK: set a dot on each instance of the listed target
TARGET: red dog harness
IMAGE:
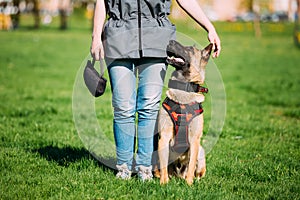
(182, 114)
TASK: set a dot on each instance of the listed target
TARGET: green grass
(42, 157)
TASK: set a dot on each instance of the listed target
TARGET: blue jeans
(136, 86)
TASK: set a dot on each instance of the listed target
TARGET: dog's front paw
(164, 180)
(190, 180)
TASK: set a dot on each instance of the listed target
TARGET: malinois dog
(180, 121)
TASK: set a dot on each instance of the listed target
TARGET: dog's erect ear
(207, 50)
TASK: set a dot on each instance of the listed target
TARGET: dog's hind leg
(156, 171)
(201, 164)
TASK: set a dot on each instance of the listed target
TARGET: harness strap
(181, 115)
(186, 86)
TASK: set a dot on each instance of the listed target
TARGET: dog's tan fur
(191, 163)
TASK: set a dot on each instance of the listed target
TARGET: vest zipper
(140, 28)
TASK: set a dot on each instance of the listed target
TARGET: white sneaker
(123, 172)
(145, 173)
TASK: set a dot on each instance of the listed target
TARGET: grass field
(42, 157)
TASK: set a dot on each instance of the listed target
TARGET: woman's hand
(97, 50)
(215, 40)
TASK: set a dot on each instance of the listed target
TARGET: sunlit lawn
(42, 157)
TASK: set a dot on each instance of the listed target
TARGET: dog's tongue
(176, 60)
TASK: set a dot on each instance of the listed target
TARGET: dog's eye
(190, 50)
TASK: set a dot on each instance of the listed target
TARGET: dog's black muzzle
(178, 55)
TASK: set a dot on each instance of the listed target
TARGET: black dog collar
(187, 86)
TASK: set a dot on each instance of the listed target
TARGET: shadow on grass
(68, 155)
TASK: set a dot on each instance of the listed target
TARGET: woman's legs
(127, 102)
